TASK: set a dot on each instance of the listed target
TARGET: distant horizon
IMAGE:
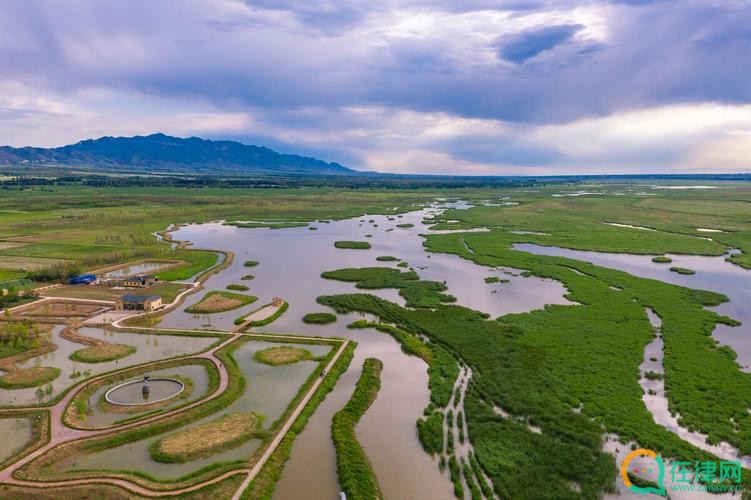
(427, 174)
(495, 87)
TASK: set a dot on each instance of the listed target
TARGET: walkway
(61, 433)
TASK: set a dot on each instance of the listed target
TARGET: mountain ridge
(159, 151)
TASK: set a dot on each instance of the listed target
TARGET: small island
(102, 353)
(235, 286)
(682, 270)
(352, 245)
(321, 318)
(284, 355)
(662, 259)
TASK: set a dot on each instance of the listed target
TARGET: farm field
(521, 362)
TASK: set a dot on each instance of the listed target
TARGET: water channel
(291, 261)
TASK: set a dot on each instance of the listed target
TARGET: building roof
(140, 277)
(139, 299)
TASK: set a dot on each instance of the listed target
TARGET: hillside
(159, 152)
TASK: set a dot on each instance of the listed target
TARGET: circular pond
(144, 392)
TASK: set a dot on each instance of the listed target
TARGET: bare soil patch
(220, 301)
(61, 310)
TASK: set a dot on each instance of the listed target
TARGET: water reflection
(291, 261)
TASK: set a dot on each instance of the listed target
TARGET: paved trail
(61, 433)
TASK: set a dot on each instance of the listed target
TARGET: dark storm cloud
(653, 53)
(528, 44)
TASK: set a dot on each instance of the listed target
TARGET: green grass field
(537, 366)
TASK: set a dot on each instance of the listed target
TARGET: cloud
(530, 43)
(357, 81)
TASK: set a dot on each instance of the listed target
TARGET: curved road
(61, 433)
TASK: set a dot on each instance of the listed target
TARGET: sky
(470, 87)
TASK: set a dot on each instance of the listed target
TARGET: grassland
(282, 355)
(226, 432)
(97, 226)
(416, 293)
(539, 365)
(102, 353)
(355, 472)
(28, 377)
(220, 301)
(542, 365)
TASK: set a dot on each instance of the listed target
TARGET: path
(60, 433)
(287, 425)
(261, 314)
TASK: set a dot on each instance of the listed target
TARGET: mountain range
(164, 153)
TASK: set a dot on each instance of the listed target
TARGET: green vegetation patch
(270, 225)
(416, 293)
(196, 261)
(282, 355)
(386, 258)
(102, 353)
(29, 377)
(320, 318)
(226, 432)
(248, 277)
(250, 263)
(540, 366)
(496, 279)
(405, 225)
(662, 259)
(355, 472)
(682, 270)
(354, 245)
(240, 288)
(220, 301)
